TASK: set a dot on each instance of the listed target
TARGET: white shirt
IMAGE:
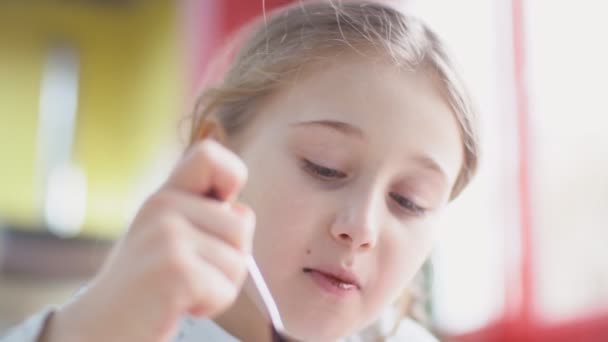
(198, 330)
(206, 330)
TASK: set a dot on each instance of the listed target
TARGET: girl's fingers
(211, 290)
(232, 223)
(196, 268)
(209, 168)
(225, 258)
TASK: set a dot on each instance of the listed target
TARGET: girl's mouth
(338, 283)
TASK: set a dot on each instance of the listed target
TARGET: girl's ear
(211, 128)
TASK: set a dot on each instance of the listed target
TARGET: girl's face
(349, 168)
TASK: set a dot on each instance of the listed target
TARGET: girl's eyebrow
(430, 164)
(345, 128)
(339, 126)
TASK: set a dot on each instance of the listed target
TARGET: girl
(343, 129)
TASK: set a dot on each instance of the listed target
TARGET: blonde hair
(276, 47)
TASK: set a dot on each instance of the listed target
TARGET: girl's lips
(336, 283)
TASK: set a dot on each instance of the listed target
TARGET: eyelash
(328, 174)
(322, 172)
(408, 204)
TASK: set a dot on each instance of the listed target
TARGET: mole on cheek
(308, 251)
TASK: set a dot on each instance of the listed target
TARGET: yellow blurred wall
(129, 97)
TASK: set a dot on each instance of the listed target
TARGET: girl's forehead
(360, 91)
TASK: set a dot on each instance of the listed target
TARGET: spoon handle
(264, 292)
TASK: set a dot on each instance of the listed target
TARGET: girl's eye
(323, 172)
(408, 205)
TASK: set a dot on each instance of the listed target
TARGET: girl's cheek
(393, 278)
(391, 257)
(402, 255)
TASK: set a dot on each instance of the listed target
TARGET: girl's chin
(320, 328)
(310, 313)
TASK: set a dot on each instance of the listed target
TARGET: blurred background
(92, 97)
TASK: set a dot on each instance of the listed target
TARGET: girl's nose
(357, 224)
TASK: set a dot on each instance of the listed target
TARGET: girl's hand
(183, 254)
